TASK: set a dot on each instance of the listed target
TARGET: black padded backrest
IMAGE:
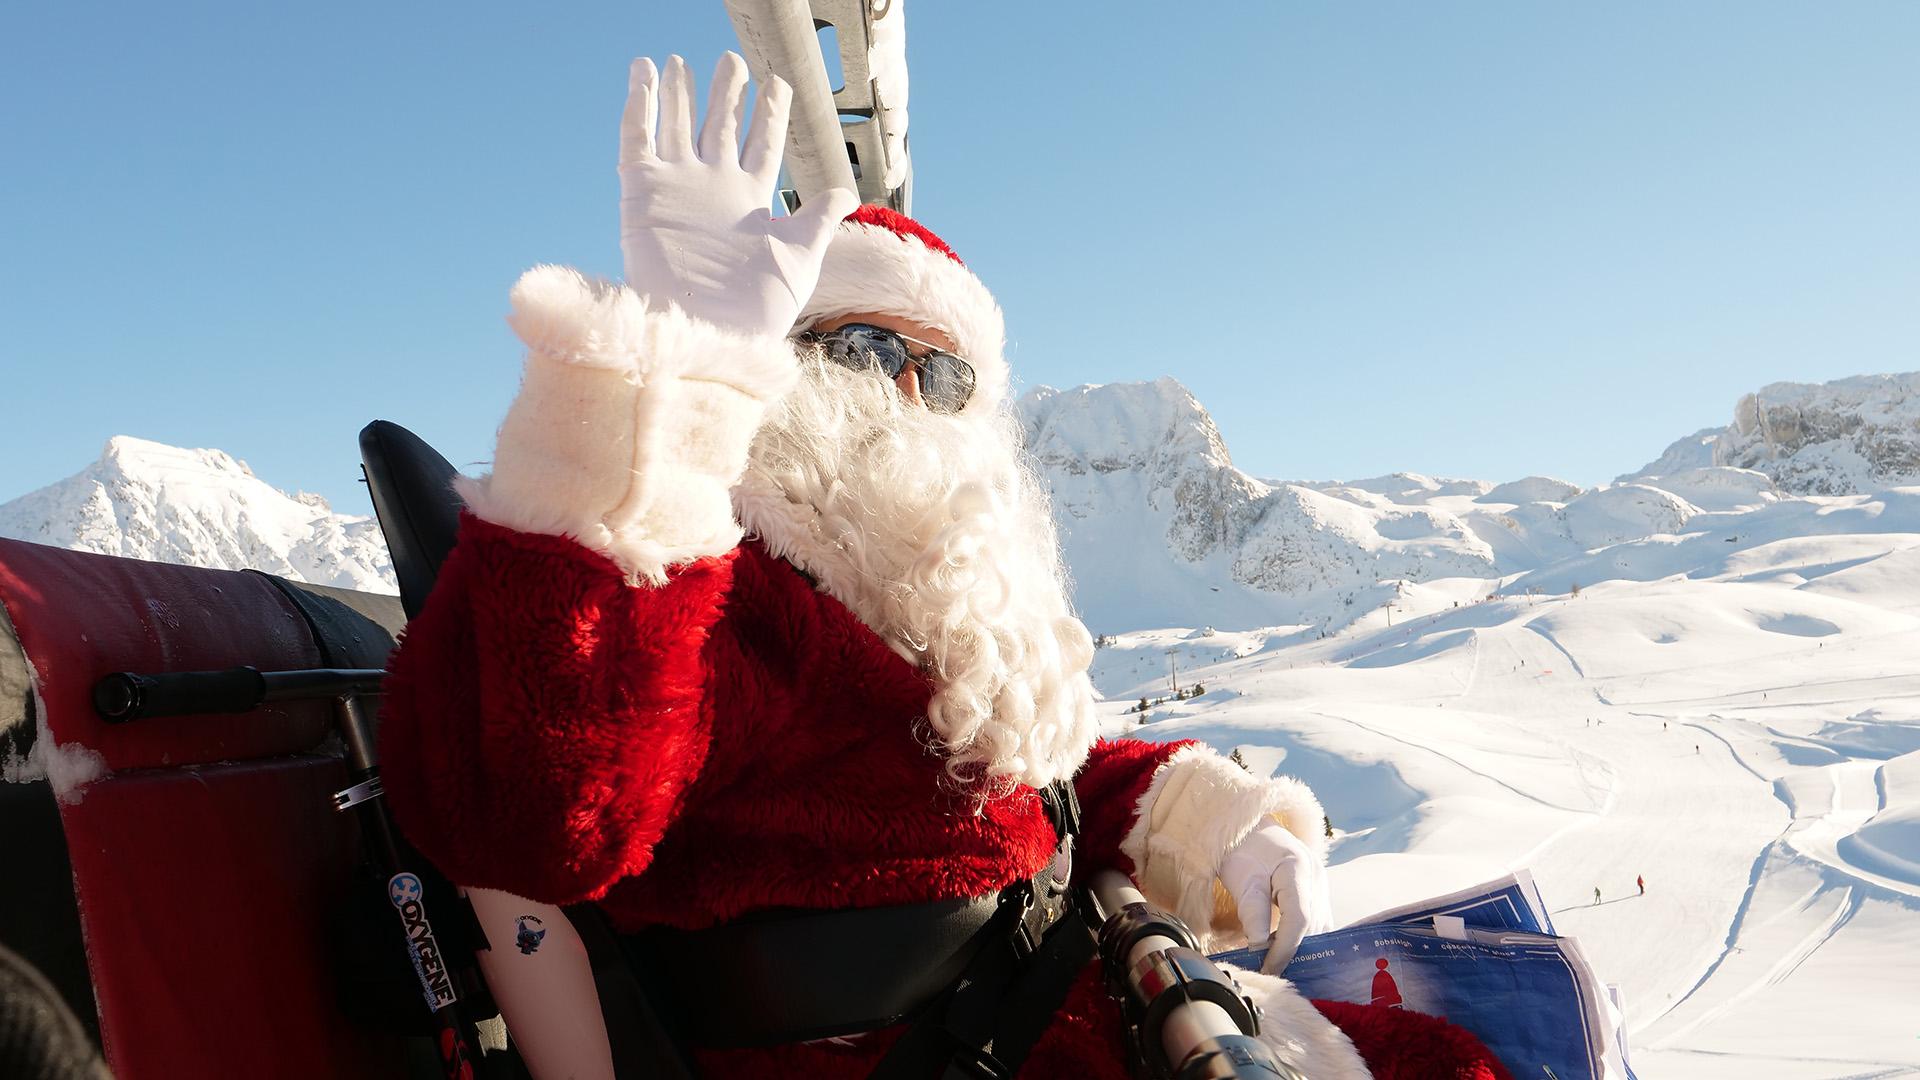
(412, 489)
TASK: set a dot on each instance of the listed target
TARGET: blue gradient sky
(1478, 239)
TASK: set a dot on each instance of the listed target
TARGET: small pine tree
(1576, 588)
(1327, 824)
(1198, 689)
(1238, 760)
(1142, 707)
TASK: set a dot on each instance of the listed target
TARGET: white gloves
(695, 226)
(638, 404)
(1274, 868)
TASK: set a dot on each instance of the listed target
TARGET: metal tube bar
(777, 37)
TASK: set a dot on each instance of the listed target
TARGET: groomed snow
(1739, 723)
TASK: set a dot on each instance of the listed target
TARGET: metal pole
(777, 37)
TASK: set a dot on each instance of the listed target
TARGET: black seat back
(413, 497)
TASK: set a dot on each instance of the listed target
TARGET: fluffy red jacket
(734, 741)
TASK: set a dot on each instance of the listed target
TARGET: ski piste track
(1459, 744)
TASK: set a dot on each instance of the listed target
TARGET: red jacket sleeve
(516, 756)
(1110, 786)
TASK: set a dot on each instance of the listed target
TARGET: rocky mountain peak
(202, 507)
(1843, 437)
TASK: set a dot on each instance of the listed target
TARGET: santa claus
(760, 616)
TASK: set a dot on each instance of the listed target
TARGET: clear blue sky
(1472, 239)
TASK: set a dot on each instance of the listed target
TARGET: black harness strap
(794, 976)
(986, 1024)
(976, 980)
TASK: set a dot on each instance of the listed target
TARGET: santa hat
(884, 262)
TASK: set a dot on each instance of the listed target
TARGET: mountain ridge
(202, 507)
(1158, 525)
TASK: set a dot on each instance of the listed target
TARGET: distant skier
(1596, 894)
(1642, 882)
(1696, 748)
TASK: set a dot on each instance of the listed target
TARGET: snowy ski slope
(1742, 730)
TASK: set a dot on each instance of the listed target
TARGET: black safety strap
(984, 1026)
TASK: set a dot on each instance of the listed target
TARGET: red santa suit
(687, 723)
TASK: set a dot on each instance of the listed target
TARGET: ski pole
(1186, 1017)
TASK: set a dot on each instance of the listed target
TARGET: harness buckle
(1025, 938)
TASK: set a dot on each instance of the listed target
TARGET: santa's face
(934, 531)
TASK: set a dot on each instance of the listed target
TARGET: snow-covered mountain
(146, 500)
(1161, 529)
(1838, 438)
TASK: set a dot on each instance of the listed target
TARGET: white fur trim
(630, 426)
(873, 269)
(562, 315)
(1304, 1039)
(1198, 806)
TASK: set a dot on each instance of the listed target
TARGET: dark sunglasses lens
(946, 382)
(865, 348)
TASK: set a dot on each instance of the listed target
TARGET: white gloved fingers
(1247, 873)
(767, 138)
(1269, 869)
(1254, 902)
(696, 231)
(642, 112)
(726, 105)
(1298, 888)
(675, 141)
(1285, 940)
(800, 240)
(811, 228)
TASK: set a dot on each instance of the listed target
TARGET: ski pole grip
(126, 695)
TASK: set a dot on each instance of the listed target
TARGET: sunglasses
(946, 381)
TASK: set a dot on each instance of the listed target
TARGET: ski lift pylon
(854, 136)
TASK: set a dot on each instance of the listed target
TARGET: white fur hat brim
(871, 269)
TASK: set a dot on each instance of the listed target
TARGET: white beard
(935, 533)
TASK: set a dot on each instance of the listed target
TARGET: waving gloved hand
(1272, 868)
(695, 228)
(639, 403)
